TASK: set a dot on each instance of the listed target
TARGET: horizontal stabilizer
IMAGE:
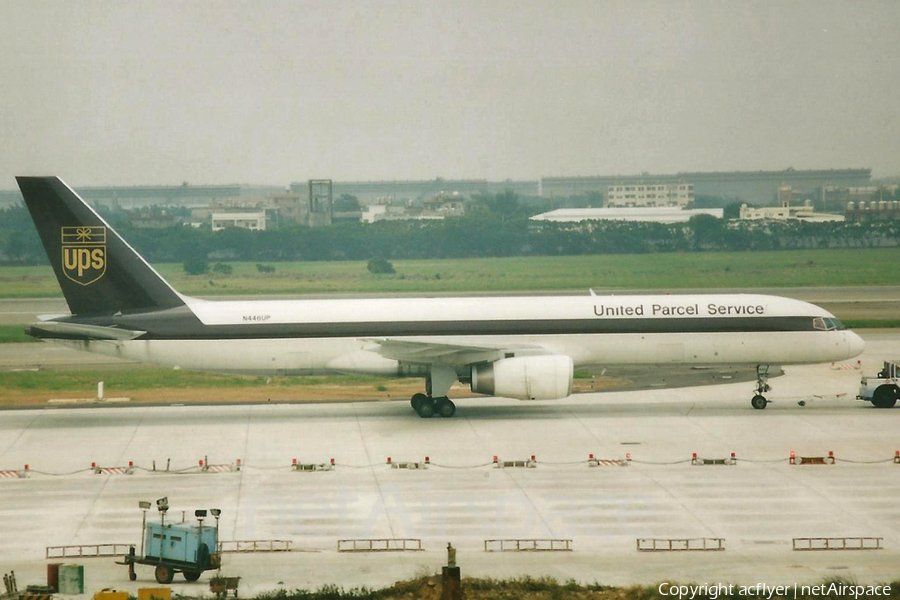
(74, 331)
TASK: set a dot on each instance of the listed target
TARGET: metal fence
(838, 543)
(255, 546)
(528, 545)
(680, 545)
(380, 545)
(87, 550)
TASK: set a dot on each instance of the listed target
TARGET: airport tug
(173, 548)
(883, 390)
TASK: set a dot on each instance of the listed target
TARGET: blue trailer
(177, 548)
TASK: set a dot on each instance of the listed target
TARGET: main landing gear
(427, 406)
(759, 401)
(435, 402)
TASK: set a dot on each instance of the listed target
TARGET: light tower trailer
(173, 548)
(883, 390)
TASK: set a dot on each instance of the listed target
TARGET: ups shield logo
(84, 253)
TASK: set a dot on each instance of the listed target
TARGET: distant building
(642, 214)
(755, 187)
(875, 210)
(255, 221)
(445, 205)
(286, 206)
(387, 212)
(441, 206)
(650, 194)
(174, 195)
(320, 202)
(833, 193)
(806, 212)
(368, 192)
(785, 195)
(154, 220)
(10, 198)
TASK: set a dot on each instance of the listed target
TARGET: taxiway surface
(757, 506)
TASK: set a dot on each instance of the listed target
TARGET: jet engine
(526, 377)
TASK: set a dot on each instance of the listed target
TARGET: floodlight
(215, 512)
(144, 504)
(163, 504)
(200, 513)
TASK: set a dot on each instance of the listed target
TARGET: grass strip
(14, 334)
(668, 271)
(150, 378)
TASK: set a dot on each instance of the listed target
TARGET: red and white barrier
(605, 462)
(205, 467)
(19, 474)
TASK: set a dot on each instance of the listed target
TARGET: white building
(785, 212)
(248, 220)
(440, 206)
(650, 194)
(386, 212)
(644, 214)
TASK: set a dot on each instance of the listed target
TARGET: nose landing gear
(759, 401)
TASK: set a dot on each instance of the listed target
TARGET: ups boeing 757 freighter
(516, 347)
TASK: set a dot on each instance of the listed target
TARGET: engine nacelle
(525, 377)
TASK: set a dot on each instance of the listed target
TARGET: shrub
(380, 265)
(222, 269)
(265, 268)
(196, 264)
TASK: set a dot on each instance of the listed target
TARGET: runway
(757, 506)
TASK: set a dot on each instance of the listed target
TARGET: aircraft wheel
(885, 396)
(417, 400)
(132, 576)
(164, 574)
(446, 408)
(759, 402)
(191, 575)
(426, 409)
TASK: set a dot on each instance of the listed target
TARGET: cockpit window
(827, 324)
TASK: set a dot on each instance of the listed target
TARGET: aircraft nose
(855, 345)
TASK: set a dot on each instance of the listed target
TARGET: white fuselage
(592, 330)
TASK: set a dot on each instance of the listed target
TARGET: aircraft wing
(453, 355)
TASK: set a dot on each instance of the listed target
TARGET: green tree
(732, 210)
(506, 203)
(346, 203)
(706, 231)
(380, 265)
(196, 264)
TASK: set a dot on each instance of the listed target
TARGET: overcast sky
(136, 92)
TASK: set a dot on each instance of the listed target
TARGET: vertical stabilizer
(98, 271)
